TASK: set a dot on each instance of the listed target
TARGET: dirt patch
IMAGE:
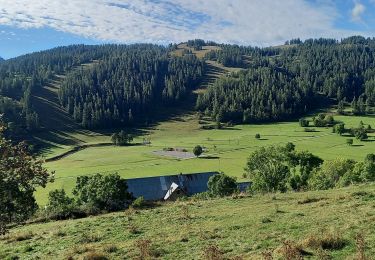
(175, 154)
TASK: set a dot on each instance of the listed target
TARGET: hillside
(227, 149)
(243, 227)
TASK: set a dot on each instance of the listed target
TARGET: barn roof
(155, 188)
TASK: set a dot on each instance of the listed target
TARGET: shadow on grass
(208, 157)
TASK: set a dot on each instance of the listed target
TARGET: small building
(169, 187)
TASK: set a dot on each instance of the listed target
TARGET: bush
(359, 133)
(268, 169)
(121, 138)
(330, 174)
(221, 185)
(257, 136)
(198, 150)
(139, 202)
(60, 206)
(105, 192)
(304, 122)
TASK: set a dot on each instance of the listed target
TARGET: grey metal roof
(155, 188)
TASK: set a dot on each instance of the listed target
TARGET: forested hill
(124, 83)
(284, 81)
(129, 83)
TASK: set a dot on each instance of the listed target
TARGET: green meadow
(227, 149)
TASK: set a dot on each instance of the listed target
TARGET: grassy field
(242, 227)
(227, 148)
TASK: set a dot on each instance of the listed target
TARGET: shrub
(198, 150)
(330, 173)
(339, 129)
(359, 133)
(304, 122)
(59, 206)
(105, 192)
(139, 202)
(268, 169)
(222, 185)
(121, 138)
(257, 136)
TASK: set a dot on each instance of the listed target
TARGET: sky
(32, 25)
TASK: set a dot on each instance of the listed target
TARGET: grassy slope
(233, 146)
(228, 148)
(243, 227)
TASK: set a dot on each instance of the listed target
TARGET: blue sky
(28, 25)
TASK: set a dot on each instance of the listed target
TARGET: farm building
(169, 187)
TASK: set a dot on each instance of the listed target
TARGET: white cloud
(358, 11)
(257, 22)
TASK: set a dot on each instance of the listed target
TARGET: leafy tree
(222, 185)
(305, 162)
(360, 133)
(340, 107)
(329, 120)
(20, 174)
(370, 158)
(330, 173)
(105, 192)
(59, 206)
(268, 170)
(121, 138)
(339, 129)
(198, 150)
(304, 122)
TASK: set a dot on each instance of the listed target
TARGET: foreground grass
(238, 227)
(228, 149)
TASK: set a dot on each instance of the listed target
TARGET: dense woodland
(127, 82)
(128, 86)
(20, 76)
(284, 81)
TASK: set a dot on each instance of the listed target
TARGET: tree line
(343, 70)
(129, 86)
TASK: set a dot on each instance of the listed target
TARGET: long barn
(159, 188)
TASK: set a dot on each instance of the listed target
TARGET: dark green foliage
(304, 122)
(128, 85)
(359, 133)
(60, 206)
(339, 129)
(197, 44)
(342, 70)
(198, 150)
(275, 168)
(222, 185)
(21, 76)
(349, 141)
(121, 138)
(268, 169)
(105, 192)
(256, 95)
(331, 174)
(20, 175)
(257, 136)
